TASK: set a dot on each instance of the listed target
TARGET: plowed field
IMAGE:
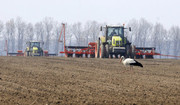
(59, 80)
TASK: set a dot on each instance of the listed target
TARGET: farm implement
(80, 51)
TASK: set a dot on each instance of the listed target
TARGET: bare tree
(167, 43)
(87, 32)
(69, 34)
(48, 25)
(29, 32)
(21, 27)
(132, 36)
(77, 32)
(1, 37)
(94, 30)
(39, 31)
(91, 31)
(57, 30)
(175, 33)
(159, 38)
(141, 31)
(1, 26)
(145, 32)
(10, 32)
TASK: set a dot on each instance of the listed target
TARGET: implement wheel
(139, 57)
(86, 55)
(92, 55)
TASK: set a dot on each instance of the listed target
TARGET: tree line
(144, 34)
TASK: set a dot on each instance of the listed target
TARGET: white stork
(130, 62)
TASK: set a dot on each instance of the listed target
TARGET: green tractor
(113, 42)
(33, 49)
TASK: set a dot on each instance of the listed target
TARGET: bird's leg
(131, 67)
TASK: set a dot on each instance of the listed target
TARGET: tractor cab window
(115, 31)
(35, 44)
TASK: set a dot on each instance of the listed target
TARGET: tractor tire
(68, 55)
(77, 55)
(116, 55)
(107, 51)
(97, 49)
(80, 55)
(101, 51)
(111, 55)
(71, 55)
(127, 54)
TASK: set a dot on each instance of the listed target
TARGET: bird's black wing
(136, 64)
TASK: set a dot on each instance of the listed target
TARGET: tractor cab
(113, 42)
(34, 44)
(115, 36)
(112, 31)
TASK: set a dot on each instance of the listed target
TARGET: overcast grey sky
(166, 12)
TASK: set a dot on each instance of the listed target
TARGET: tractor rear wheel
(97, 50)
(101, 51)
(107, 51)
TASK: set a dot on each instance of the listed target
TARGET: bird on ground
(130, 62)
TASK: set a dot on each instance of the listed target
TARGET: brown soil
(58, 80)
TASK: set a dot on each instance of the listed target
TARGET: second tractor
(34, 49)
